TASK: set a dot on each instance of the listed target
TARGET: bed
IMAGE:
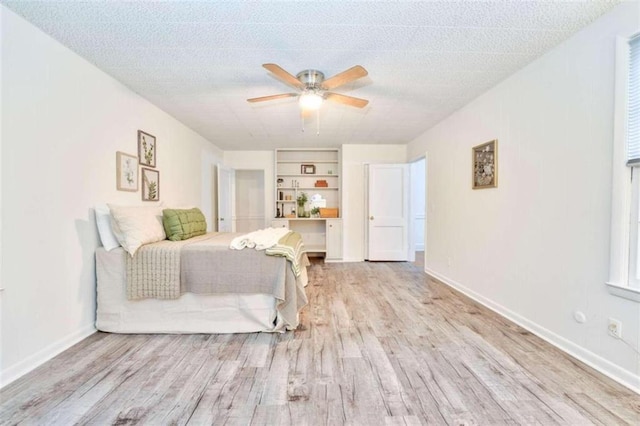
(219, 290)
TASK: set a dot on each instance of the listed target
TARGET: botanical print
(146, 149)
(126, 172)
(485, 172)
(150, 185)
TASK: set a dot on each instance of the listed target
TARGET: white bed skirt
(191, 313)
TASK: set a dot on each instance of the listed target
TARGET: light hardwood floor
(380, 343)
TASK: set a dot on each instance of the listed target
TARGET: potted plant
(302, 200)
(315, 212)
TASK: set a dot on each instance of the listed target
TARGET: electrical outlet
(615, 328)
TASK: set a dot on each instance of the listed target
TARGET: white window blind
(633, 108)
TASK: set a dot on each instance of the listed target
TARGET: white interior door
(226, 199)
(388, 202)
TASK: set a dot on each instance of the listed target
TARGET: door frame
(407, 190)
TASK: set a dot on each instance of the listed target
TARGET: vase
(300, 211)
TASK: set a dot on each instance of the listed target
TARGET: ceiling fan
(314, 89)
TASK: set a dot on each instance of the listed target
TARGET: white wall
(62, 122)
(537, 247)
(354, 158)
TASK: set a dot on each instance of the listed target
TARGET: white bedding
(191, 313)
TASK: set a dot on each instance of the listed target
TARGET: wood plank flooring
(379, 344)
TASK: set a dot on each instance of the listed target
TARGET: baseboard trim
(604, 366)
(352, 260)
(32, 362)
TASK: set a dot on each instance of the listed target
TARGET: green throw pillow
(183, 224)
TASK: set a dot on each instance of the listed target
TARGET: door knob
(370, 217)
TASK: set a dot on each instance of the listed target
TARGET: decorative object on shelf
(329, 172)
(485, 165)
(329, 212)
(280, 182)
(321, 184)
(301, 200)
(126, 172)
(317, 201)
(308, 169)
(315, 212)
(150, 185)
(146, 149)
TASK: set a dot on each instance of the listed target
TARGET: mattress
(191, 313)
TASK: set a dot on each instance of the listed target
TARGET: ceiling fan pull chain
(302, 121)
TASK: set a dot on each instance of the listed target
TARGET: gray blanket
(206, 265)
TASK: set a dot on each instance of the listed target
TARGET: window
(624, 275)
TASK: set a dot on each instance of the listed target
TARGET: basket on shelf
(321, 184)
(328, 212)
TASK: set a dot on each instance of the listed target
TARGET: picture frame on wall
(126, 172)
(150, 184)
(147, 149)
(484, 165)
(308, 169)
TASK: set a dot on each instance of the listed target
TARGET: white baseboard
(352, 260)
(30, 363)
(604, 366)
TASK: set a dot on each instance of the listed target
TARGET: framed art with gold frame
(484, 165)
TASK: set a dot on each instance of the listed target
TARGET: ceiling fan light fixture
(310, 101)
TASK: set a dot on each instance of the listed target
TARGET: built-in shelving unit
(298, 171)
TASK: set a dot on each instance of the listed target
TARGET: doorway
(241, 200)
(418, 208)
(388, 212)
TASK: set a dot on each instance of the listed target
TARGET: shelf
(306, 188)
(307, 162)
(306, 219)
(289, 165)
(308, 175)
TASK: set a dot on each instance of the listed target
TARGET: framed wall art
(147, 149)
(126, 172)
(308, 169)
(150, 185)
(485, 165)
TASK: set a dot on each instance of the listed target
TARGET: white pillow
(134, 226)
(103, 220)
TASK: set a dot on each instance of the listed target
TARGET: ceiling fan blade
(284, 75)
(344, 77)
(347, 100)
(272, 97)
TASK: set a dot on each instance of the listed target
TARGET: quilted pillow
(134, 226)
(183, 224)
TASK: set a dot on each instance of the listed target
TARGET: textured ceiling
(200, 61)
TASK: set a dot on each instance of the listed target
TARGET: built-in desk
(321, 236)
